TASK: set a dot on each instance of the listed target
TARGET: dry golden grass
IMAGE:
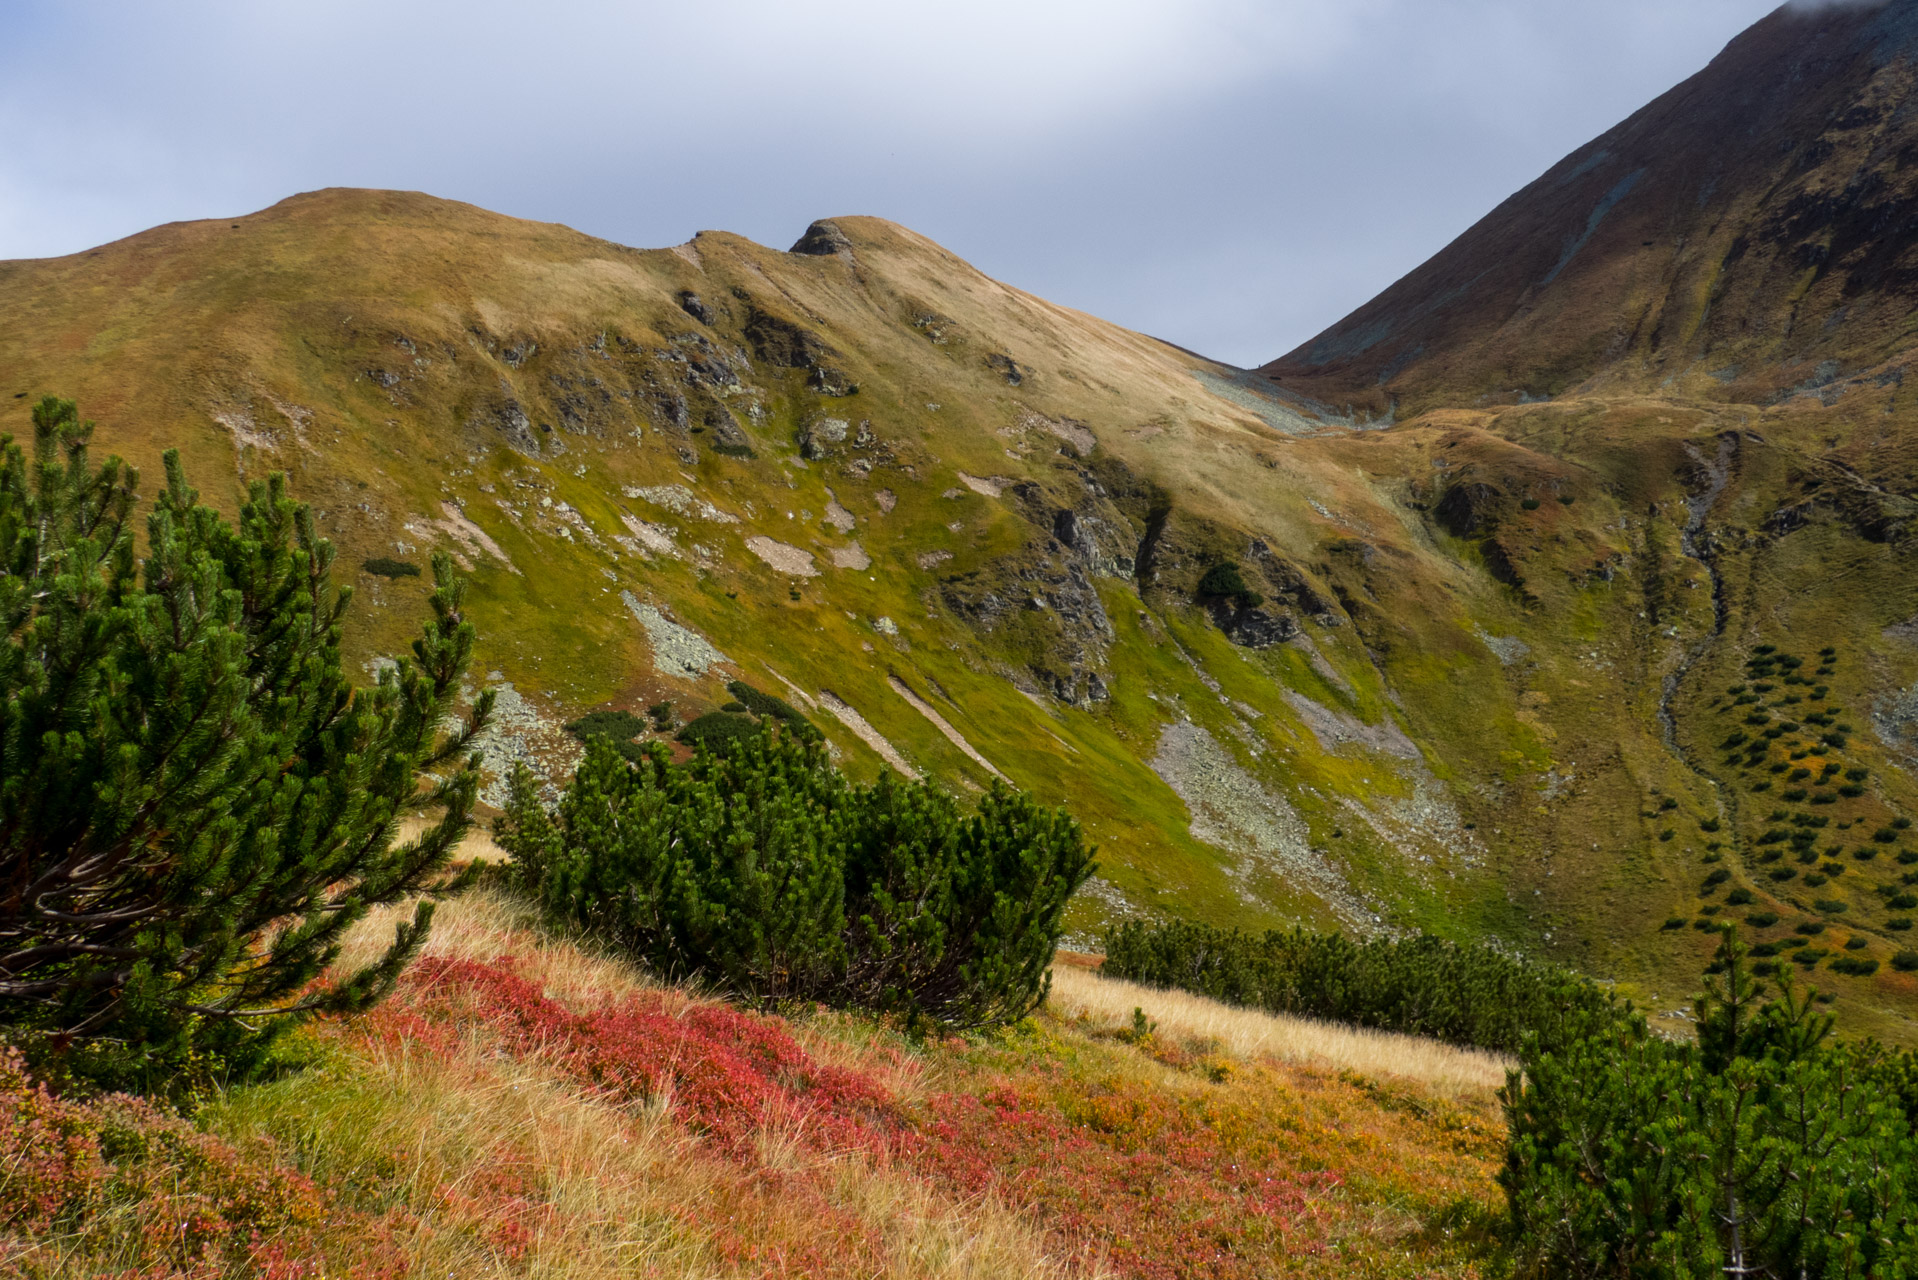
(625, 1188)
(1248, 1033)
(613, 1191)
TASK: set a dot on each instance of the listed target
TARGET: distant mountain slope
(1753, 231)
(1471, 675)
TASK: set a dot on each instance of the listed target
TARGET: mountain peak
(1751, 223)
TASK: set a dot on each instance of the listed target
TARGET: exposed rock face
(1257, 629)
(783, 344)
(506, 419)
(820, 438)
(822, 239)
(1469, 508)
(728, 438)
(831, 382)
(1006, 367)
(1286, 581)
(690, 303)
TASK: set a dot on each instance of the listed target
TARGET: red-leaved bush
(724, 1072)
(152, 1192)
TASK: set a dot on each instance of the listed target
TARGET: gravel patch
(932, 559)
(1507, 651)
(851, 556)
(1336, 729)
(520, 734)
(677, 651)
(866, 733)
(837, 516)
(648, 539)
(940, 723)
(1231, 811)
(1895, 720)
(786, 559)
(680, 500)
(469, 537)
(990, 488)
(887, 500)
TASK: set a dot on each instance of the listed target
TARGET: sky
(1229, 175)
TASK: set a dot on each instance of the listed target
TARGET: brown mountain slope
(1752, 232)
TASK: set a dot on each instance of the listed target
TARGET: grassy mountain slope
(1476, 694)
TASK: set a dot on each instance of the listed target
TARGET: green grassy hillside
(965, 531)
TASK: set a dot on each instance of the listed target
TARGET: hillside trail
(1696, 543)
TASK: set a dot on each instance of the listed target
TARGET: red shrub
(49, 1152)
(1156, 1184)
(726, 1072)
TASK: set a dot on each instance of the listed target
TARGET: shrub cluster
(761, 869)
(1760, 1149)
(1464, 994)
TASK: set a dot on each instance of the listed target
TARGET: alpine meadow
(523, 756)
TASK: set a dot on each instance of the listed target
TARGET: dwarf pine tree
(195, 805)
(760, 868)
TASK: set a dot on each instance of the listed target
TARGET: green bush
(1225, 581)
(716, 731)
(618, 727)
(760, 869)
(386, 568)
(1905, 961)
(1854, 966)
(767, 707)
(1762, 919)
(1461, 993)
(195, 803)
(1738, 898)
(1757, 1148)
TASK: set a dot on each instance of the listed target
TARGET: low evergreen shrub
(1759, 1148)
(618, 727)
(716, 731)
(1225, 581)
(767, 707)
(196, 804)
(760, 869)
(384, 567)
(1462, 993)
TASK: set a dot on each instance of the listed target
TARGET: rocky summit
(1561, 596)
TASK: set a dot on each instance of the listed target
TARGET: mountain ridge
(1469, 674)
(1667, 251)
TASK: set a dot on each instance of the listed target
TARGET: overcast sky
(1232, 175)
